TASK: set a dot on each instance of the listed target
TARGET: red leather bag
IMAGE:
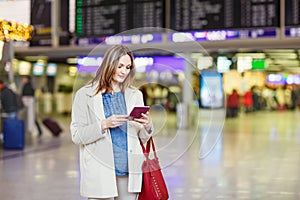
(154, 186)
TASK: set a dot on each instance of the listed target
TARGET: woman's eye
(128, 67)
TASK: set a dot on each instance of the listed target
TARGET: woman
(110, 153)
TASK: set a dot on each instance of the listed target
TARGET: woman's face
(122, 70)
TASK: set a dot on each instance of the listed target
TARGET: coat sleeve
(84, 128)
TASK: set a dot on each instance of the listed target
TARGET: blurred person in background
(233, 104)
(269, 97)
(293, 98)
(288, 97)
(248, 101)
(110, 152)
(258, 102)
(297, 96)
(280, 97)
(28, 93)
(9, 105)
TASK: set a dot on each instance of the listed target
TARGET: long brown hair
(104, 74)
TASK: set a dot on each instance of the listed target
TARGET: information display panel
(292, 14)
(211, 90)
(96, 18)
(223, 14)
(40, 18)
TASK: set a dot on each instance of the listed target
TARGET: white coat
(98, 178)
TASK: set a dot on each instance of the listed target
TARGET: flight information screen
(223, 14)
(292, 14)
(96, 18)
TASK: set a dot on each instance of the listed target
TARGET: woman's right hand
(114, 121)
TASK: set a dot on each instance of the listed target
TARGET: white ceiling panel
(17, 10)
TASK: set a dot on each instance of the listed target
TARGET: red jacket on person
(233, 100)
(248, 101)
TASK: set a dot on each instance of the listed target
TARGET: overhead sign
(41, 20)
(106, 18)
(223, 14)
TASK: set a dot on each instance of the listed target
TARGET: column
(55, 22)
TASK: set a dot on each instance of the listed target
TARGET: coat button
(130, 150)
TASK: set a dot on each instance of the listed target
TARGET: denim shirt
(115, 104)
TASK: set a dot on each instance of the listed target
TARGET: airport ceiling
(60, 54)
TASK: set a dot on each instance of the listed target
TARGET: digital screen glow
(211, 90)
(275, 79)
(167, 63)
(204, 62)
(244, 63)
(24, 67)
(141, 63)
(51, 69)
(293, 79)
(223, 64)
(292, 32)
(38, 69)
(258, 64)
(219, 35)
(90, 64)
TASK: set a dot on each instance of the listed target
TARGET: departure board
(96, 18)
(223, 14)
(292, 12)
(40, 18)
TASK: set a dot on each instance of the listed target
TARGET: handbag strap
(146, 150)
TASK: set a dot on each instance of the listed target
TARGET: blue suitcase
(13, 134)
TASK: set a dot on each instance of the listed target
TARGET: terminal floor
(254, 156)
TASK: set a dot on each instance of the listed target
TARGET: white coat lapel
(95, 103)
(130, 101)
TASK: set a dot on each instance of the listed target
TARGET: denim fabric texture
(114, 104)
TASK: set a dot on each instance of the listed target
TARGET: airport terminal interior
(222, 79)
(254, 156)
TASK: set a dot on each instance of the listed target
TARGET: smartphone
(138, 110)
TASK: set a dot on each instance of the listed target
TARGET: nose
(123, 70)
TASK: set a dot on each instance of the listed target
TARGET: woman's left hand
(145, 120)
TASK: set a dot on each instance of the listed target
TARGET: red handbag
(154, 186)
